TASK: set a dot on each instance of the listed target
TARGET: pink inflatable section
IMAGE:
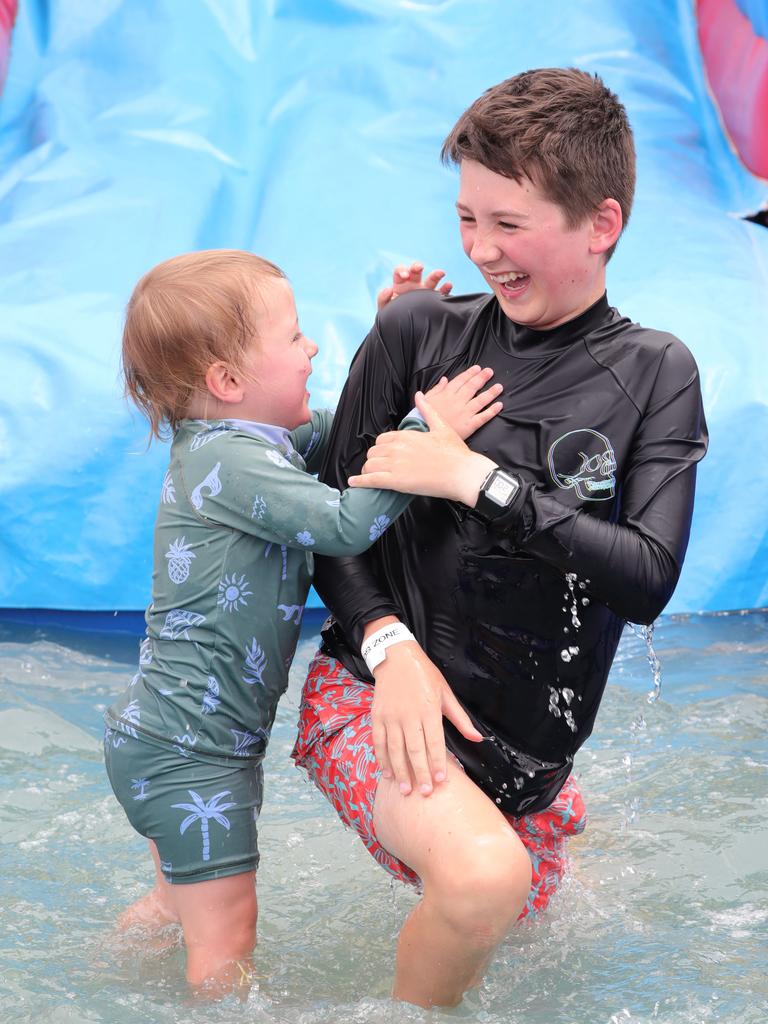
(7, 18)
(736, 60)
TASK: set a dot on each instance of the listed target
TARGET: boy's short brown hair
(184, 315)
(560, 127)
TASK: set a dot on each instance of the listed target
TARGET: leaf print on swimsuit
(211, 696)
(205, 436)
(130, 716)
(168, 493)
(378, 526)
(205, 812)
(233, 591)
(211, 483)
(179, 560)
(178, 623)
(255, 663)
(277, 459)
(245, 740)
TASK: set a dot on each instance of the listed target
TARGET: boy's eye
(507, 227)
(466, 220)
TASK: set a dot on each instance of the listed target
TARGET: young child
(517, 606)
(213, 352)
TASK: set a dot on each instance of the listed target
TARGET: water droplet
(565, 629)
(573, 650)
(565, 655)
(567, 695)
(585, 602)
(498, 799)
(519, 782)
(583, 586)
(569, 719)
(503, 785)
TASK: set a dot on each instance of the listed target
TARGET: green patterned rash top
(240, 517)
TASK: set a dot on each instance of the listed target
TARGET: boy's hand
(436, 464)
(408, 279)
(460, 403)
(409, 700)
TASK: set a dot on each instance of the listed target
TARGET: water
(665, 918)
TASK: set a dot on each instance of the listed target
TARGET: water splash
(645, 633)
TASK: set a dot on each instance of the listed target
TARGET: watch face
(502, 489)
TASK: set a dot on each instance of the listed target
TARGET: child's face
(511, 229)
(279, 363)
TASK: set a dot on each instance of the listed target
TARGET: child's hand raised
(408, 279)
(436, 464)
(461, 404)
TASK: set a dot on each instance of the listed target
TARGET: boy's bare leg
(155, 910)
(476, 876)
(218, 918)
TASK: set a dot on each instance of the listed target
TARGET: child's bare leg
(476, 875)
(154, 910)
(218, 918)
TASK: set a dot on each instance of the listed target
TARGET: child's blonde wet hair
(184, 315)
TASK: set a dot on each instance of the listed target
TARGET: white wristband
(374, 649)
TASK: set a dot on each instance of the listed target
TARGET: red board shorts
(335, 747)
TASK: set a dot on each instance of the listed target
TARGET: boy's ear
(607, 222)
(223, 384)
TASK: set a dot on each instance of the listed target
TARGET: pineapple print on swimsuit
(239, 519)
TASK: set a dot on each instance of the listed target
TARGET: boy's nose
(484, 250)
(311, 348)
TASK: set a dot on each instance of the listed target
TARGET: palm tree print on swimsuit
(205, 812)
(141, 786)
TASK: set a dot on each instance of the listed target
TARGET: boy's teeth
(506, 278)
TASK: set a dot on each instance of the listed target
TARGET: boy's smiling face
(280, 361)
(542, 272)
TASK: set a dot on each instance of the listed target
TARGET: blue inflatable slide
(309, 131)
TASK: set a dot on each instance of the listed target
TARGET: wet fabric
(239, 519)
(201, 816)
(602, 419)
(335, 748)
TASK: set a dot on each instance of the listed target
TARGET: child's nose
(311, 348)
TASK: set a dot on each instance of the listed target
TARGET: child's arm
(459, 402)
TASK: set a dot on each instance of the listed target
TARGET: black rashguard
(603, 422)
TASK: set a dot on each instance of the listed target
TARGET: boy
(517, 606)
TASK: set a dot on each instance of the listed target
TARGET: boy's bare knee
(483, 895)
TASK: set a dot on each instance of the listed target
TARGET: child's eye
(507, 227)
(466, 220)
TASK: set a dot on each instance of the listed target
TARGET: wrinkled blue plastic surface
(309, 131)
(756, 11)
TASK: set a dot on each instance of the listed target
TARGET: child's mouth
(511, 284)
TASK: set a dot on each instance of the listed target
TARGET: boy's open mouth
(512, 283)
